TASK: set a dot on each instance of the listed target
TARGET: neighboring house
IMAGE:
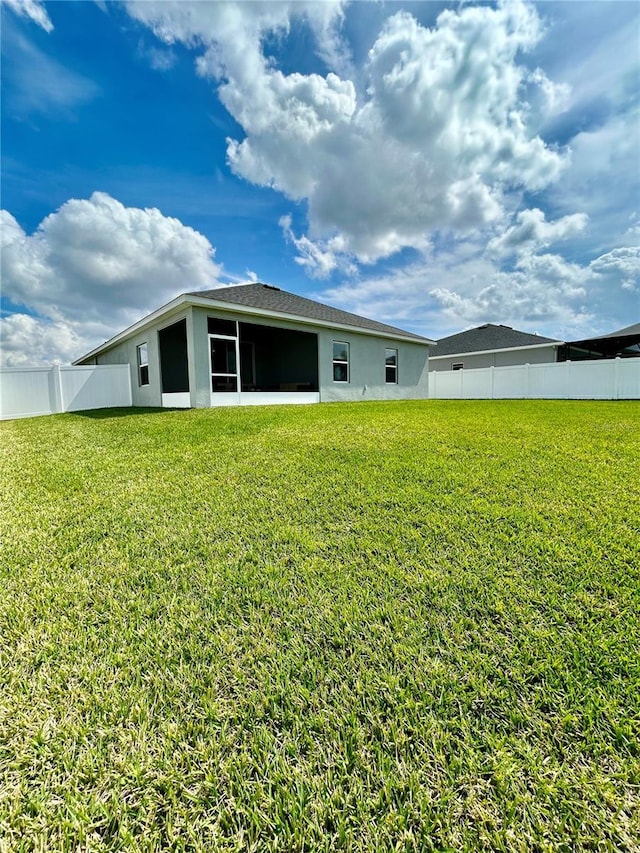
(254, 343)
(623, 343)
(492, 346)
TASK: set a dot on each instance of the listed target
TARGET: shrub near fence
(29, 391)
(607, 379)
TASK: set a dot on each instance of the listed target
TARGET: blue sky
(431, 165)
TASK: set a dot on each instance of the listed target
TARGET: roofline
(499, 349)
(168, 308)
(185, 300)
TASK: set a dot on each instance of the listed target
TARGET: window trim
(393, 367)
(341, 361)
(142, 365)
(234, 377)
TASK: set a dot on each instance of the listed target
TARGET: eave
(554, 344)
(185, 300)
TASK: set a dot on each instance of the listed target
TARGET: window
(222, 328)
(391, 366)
(143, 364)
(340, 361)
(457, 366)
(224, 364)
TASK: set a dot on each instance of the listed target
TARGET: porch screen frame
(236, 375)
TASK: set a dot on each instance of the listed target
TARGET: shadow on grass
(123, 412)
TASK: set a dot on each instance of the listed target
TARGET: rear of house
(254, 343)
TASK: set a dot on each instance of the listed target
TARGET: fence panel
(549, 381)
(606, 379)
(83, 388)
(509, 383)
(25, 392)
(29, 391)
(628, 378)
(445, 385)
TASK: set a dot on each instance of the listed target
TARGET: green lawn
(362, 627)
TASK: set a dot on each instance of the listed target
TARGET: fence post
(492, 381)
(616, 378)
(57, 401)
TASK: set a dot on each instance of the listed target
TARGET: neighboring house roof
(265, 301)
(487, 338)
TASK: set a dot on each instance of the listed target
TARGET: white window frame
(141, 363)
(337, 361)
(393, 367)
(236, 375)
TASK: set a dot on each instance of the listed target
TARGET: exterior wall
(367, 368)
(506, 358)
(126, 353)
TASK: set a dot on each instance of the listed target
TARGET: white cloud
(10, 230)
(30, 341)
(622, 265)
(548, 290)
(604, 180)
(321, 258)
(32, 9)
(441, 131)
(534, 232)
(159, 59)
(463, 286)
(96, 266)
(35, 83)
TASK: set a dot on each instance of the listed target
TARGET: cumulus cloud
(32, 9)
(534, 232)
(439, 133)
(462, 286)
(32, 341)
(546, 289)
(94, 266)
(622, 264)
(319, 259)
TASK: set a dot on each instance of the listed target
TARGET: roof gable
(268, 298)
(488, 337)
(266, 301)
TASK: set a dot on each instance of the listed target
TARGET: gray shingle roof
(269, 298)
(487, 337)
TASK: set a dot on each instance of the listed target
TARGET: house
(492, 346)
(254, 344)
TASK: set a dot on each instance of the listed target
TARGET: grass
(364, 627)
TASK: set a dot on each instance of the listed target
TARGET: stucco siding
(367, 369)
(126, 353)
(366, 363)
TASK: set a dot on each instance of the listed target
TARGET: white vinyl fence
(609, 379)
(29, 391)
